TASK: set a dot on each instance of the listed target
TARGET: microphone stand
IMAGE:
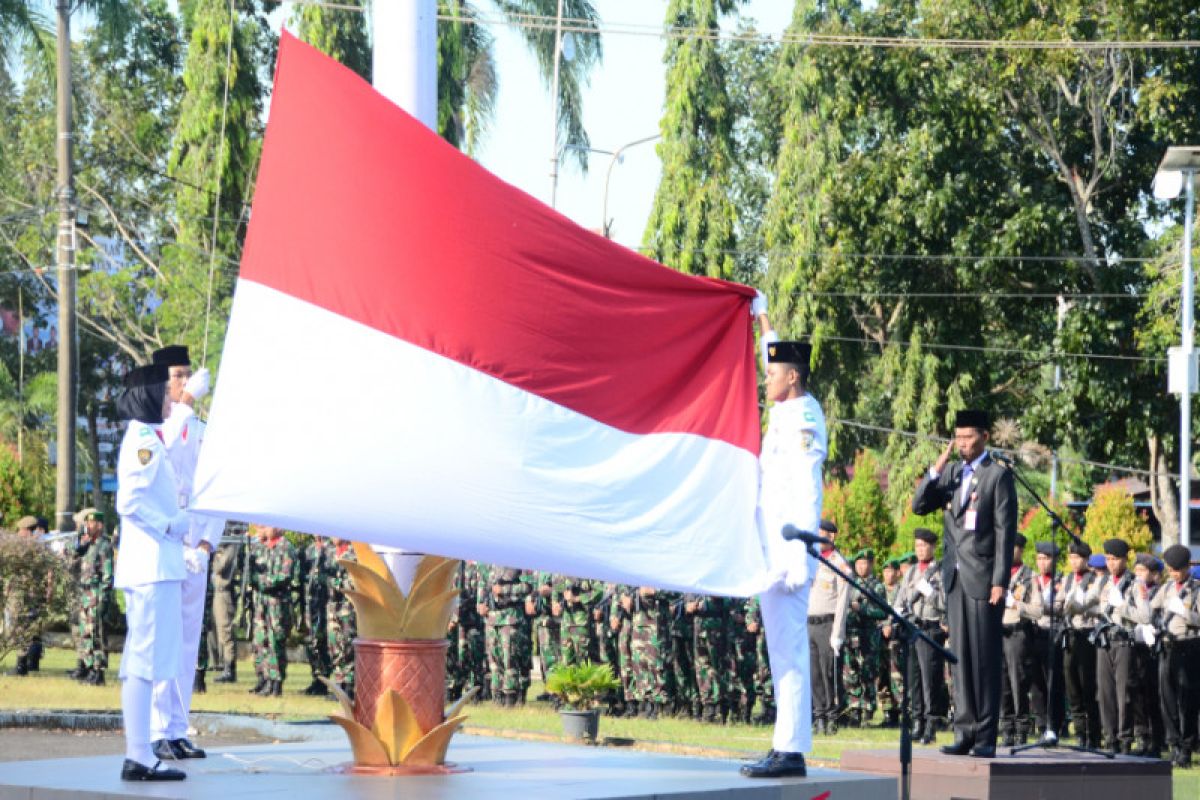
(1050, 738)
(909, 633)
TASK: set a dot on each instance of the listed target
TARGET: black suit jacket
(981, 558)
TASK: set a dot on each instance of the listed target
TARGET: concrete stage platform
(500, 768)
(1032, 775)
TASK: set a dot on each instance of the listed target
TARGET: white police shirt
(790, 484)
(152, 525)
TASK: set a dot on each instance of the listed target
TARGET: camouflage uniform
(341, 626)
(681, 657)
(745, 661)
(620, 622)
(507, 633)
(547, 627)
(650, 648)
(764, 687)
(276, 577)
(861, 652)
(711, 654)
(578, 631)
(95, 595)
(315, 575)
(890, 681)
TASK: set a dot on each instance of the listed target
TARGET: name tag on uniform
(969, 520)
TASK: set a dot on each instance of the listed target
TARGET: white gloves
(1115, 599)
(195, 559)
(835, 642)
(1176, 606)
(924, 587)
(758, 306)
(1009, 600)
(197, 385)
(1145, 633)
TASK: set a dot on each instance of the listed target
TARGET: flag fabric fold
(421, 355)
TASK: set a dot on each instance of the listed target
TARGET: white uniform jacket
(183, 433)
(790, 485)
(152, 526)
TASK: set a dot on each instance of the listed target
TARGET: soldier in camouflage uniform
(341, 626)
(890, 681)
(711, 656)
(861, 655)
(607, 638)
(620, 622)
(547, 625)
(276, 579)
(741, 680)
(649, 645)
(95, 556)
(315, 577)
(764, 687)
(506, 633)
(578, 598)
(681, 689)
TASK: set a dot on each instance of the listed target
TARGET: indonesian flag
(420, 355)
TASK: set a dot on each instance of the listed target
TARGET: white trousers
(152, 643)
(785, 620)
(173, 696)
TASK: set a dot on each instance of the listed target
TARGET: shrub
(581, 686)
(35, 586)
(1113, 516)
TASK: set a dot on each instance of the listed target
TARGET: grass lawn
(51, 689)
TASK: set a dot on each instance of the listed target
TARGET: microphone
(791, 533)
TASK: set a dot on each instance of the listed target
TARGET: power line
(581, 25)
(985, 349)
(1015, 453)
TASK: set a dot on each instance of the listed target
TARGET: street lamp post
(617, 156)
(1177, 170)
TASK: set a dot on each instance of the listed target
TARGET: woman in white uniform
(150, 568)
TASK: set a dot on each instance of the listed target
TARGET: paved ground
(23, 744)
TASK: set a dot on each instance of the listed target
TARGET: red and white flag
(421, 355)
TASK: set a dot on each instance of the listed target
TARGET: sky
(623, 103)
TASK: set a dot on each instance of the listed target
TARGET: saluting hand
(944, 458)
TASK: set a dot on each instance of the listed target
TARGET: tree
(859, 509)
(693, 220)
(340, 33)
(1112, 516)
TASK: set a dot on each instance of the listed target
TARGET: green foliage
(581, 686)
(692, 225)
(34, 583)
(1113, 516)
(339, 33)
(1038, 527)
(909, 522)
(859, 509)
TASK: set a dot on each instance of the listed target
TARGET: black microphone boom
(791, 533)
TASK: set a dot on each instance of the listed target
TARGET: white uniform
(150, 570)
(183, 434)
(790, 487)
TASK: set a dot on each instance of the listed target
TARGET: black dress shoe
(186, 749)
(133, 771)
(984, 751)
(777, 765)
(164, 750)
(960, 747)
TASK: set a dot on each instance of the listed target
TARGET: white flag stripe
(422, 452)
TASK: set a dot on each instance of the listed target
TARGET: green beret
(866, 553)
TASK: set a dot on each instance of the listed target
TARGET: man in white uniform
(793, 454)
(182, 433)
(150, 569)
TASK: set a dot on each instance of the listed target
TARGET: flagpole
(404, 70)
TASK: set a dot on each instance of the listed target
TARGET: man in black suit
(979, 499)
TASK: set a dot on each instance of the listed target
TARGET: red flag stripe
(362, 211)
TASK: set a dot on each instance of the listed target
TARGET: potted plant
(579, 688)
